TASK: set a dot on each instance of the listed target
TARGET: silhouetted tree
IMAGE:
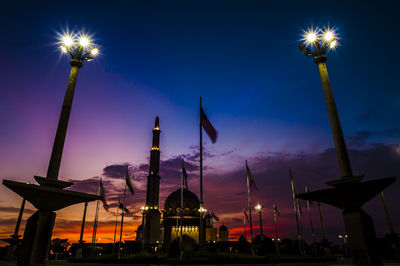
(58, 248)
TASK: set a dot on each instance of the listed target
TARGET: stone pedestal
(350, 195)
(362, 238)
(39, 227)
(37, 236)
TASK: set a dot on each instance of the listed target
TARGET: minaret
(151, 219)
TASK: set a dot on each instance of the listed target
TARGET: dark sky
(157, 57)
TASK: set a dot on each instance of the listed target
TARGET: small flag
(128, 181)
(208, 127)
(250, 178)
(276, 210)
(103, 196)
(214, 216)
(245, 215)
(184, 175)
(122, 207)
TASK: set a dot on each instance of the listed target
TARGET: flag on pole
(245, 215)
(122, 207)
(214, 216)
(103, 196)
(184, 174)
(128, 182)
(252, 184)
(208, 127)
(276, 211)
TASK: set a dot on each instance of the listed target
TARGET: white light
(311, 37)
(333, 44)
(328, 36)
(83, 41)
(63, 49)
(67, 41)
(94, 51)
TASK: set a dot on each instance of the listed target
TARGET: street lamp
(259, 208)
(344, 237)
(348, 193)
(49, 196)
(81, 48)
(317, 43)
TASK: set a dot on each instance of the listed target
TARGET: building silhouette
(166, 229)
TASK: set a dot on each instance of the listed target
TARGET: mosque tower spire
(151, 214)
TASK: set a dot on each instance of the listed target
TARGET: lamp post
(80, 48)
(321, 43)
(344, 237)
(202, 236)
(50, 196)
(348, 192)
(259, 208)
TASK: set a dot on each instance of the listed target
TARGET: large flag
(103, 196)
(208, 127)
(184, 175)
(252, 184)
(214, 216)
(122, 207)
(245, 215)
(276, 211)
(128, 182)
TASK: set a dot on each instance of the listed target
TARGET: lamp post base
(362, 237)
(350, 196)
(39, 227)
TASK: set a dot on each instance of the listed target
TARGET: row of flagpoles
(121, 206)
(251, 186)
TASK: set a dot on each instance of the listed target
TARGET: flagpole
(122, 224)
(244, 224)
(309, 215)
(95, 225)
(83, 223)
(300, 226)
(296, 211)
(181, 214)
(201, 235)
(115, 229)
(322, 222)
(249, 205)
(276, 234)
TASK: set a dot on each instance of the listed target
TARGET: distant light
(83, 41)
(94, 51)
(63, 49)
(311, 37)
(328, 36)
(258, 207)
(67, 40)
(333, 44)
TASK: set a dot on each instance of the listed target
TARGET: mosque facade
(166, 226)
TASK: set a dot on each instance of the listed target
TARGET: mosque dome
(190, 200)
(223, 228)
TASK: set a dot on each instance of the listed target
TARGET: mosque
(163, 226)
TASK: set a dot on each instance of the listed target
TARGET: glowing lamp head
(258, 207)
(94, 51)
(63, 49)
(311, 37)
(83, 41)
(67, 41)
(333, 44)
(328, 36)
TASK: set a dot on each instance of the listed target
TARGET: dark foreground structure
(348, 193)
(49, 196)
